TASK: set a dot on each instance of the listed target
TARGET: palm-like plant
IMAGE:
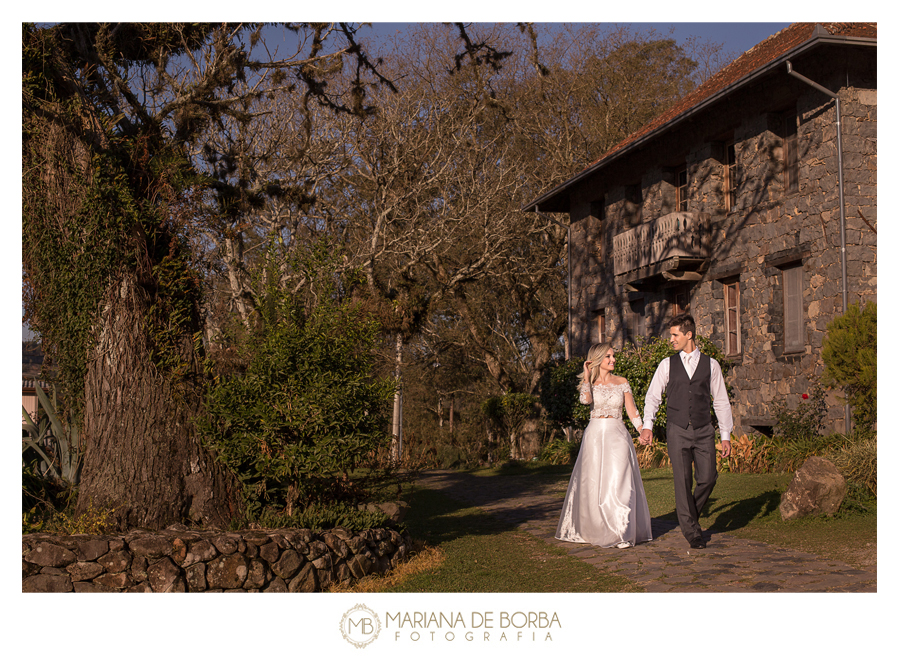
(55, 442)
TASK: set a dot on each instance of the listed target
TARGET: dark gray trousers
(692, 452)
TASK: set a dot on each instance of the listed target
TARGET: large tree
(114, 197)
(485, 118)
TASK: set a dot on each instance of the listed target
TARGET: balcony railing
(664, 244)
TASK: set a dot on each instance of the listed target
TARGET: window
(598, 209)
(636, 321)
(731, 177)
(732, 318)
(679, 299)
(794, 327)
(681, 190)
(790, 159)
(598, 327)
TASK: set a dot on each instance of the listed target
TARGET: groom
(689, 379)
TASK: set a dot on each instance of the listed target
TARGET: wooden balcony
(674, 246)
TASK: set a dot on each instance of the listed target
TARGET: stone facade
(755, 235)
(181, 560)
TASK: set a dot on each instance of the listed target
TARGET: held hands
(646, 438)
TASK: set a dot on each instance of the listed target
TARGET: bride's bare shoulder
(618, 381)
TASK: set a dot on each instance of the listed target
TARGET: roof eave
(816, 40)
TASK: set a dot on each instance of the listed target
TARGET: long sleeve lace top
(607, 400)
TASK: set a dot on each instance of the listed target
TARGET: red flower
(805, 396)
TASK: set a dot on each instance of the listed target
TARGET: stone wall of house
(182, 560)
(767, 230)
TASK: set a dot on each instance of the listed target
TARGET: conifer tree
(850, 353)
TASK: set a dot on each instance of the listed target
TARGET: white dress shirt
(660, 380)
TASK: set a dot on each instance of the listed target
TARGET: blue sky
(736, 37)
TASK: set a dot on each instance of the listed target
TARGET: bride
(605, 503)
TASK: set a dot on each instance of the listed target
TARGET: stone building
(728, 205)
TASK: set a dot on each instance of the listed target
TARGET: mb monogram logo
(360, 626)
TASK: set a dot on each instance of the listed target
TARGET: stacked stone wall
(182, 560)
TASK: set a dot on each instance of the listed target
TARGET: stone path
(666, 564)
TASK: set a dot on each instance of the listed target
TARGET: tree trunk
(142, 457)
(452, 400)
(234, 259)
(397, 430)
(529, 439)
(494, 365)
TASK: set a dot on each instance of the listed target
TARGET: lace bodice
(606, 400)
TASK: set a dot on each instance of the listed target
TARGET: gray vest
(688, 400)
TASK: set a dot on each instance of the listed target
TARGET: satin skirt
(605, 503)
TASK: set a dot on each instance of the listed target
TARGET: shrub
(557, 382)
(653, 456)
(51, 463)
(559, 451)
(467, 446)
(54, 439)
(507, 414)
(856, 457)
(320, 516)
(749, 454)
(90, 522)
(803, 423)
(305, 412)
(850, 355)
(42, 498)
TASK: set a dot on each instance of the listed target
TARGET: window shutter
(793, 308)
(732, 318)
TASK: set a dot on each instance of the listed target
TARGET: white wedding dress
(605, 504)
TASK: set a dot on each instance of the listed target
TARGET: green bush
(557, 382)
(320, 517)
(856, 457)
(304, 413)
(803, 423)
(450, 456)
(42, 498)
(851, 362)
(559, 451)
(507, 413)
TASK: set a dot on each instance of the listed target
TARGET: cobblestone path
(666, 564)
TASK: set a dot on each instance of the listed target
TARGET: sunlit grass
(467, 550)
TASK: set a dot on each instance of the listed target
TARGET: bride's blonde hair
(595, 355)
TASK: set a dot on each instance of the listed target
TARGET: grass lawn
(465, 550)
(478, 553)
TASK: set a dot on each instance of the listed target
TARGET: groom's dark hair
(685, 323)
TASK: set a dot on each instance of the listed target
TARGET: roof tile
(757, 57)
